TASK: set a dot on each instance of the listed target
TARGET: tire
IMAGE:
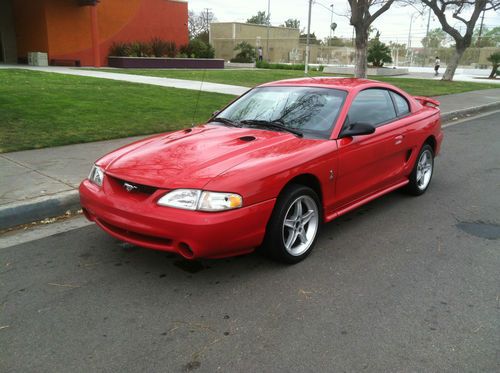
(291, 232)
(421, 175)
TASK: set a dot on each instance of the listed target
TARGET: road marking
(472, 117)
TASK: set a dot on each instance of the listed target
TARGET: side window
(372, 106)
(401, 104)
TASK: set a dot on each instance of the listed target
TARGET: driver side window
(372, 106)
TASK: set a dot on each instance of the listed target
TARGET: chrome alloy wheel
(300, 225)
(424, 169)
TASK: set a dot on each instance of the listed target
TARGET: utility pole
(331, 22)
(308, 40)
(206, 19)
(268, 24)
(428, 23)
(480, 31)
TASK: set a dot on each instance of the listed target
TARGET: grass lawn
(45, 109)
(250, 78)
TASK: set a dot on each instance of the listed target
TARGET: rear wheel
(421, 175)
(293, 228)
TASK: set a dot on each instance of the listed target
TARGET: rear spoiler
(426, 101)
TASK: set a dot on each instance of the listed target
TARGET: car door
(370, 163)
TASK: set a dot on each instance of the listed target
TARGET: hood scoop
(247, 138)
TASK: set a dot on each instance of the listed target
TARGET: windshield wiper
(229, 122)
(276, 124)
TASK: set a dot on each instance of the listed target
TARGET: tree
(361, 19)
(489, 38)
(312, 39)
(199, 24)
(493, 36)
(435, 39)
(337, 42)
(261, 18)
(378, 53)
(246, 52)
(291, 23)
(459, 9)
(495, 61)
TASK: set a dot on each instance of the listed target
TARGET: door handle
(398, 139)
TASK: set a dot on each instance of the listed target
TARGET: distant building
(83, 30)
(224, 36)
(284, 44)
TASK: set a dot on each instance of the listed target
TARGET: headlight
(194, 199)
(212, 201)
(96, 175)
(181, 198)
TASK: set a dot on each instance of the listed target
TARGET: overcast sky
(393, 24)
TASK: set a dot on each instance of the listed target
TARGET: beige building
(224, 36)
(284, 44)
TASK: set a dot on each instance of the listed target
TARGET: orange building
(83, 30)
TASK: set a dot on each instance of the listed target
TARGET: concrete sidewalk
(36, 184)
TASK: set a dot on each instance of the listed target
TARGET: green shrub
(282, 66)
(140, 49)
(197, 48)
(162, 48)
(378, 53)
(246, 52)
(119, 49)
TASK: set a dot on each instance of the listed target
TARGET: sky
(394, 24)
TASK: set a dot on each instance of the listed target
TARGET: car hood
(191, 158)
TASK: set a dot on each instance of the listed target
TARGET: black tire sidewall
(413, 185)
(273, 243)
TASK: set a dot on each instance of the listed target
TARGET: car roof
(327, 82)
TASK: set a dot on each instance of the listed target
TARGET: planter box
(164, 63)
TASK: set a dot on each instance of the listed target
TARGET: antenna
(198, 98)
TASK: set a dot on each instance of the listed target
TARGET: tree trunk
(360, 55)
(453, 64)
(493, 71)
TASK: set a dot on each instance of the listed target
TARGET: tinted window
(310, 110)
(373, 106)
(401, 104)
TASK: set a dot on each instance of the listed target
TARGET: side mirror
(357, 129)
(215, 113)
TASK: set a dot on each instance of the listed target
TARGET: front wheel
(294, 225)
(421, 175)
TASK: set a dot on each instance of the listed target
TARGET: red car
(267, 170)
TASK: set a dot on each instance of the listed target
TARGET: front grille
(136, 188)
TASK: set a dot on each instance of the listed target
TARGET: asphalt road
(404, 284)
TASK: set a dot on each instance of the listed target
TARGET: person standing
(259, 52)
(436, 66)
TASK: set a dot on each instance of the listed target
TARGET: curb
(457, 114)
(25, 212)
(36, 209)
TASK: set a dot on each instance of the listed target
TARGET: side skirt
(360, 202)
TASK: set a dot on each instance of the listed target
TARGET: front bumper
(139, 220)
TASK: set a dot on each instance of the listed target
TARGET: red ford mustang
(267, 170)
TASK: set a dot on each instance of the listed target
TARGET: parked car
(267, 170)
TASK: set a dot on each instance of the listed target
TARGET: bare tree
(199, 23)
(459, 9)
(361, 19)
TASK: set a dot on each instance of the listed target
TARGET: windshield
(310, 110)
